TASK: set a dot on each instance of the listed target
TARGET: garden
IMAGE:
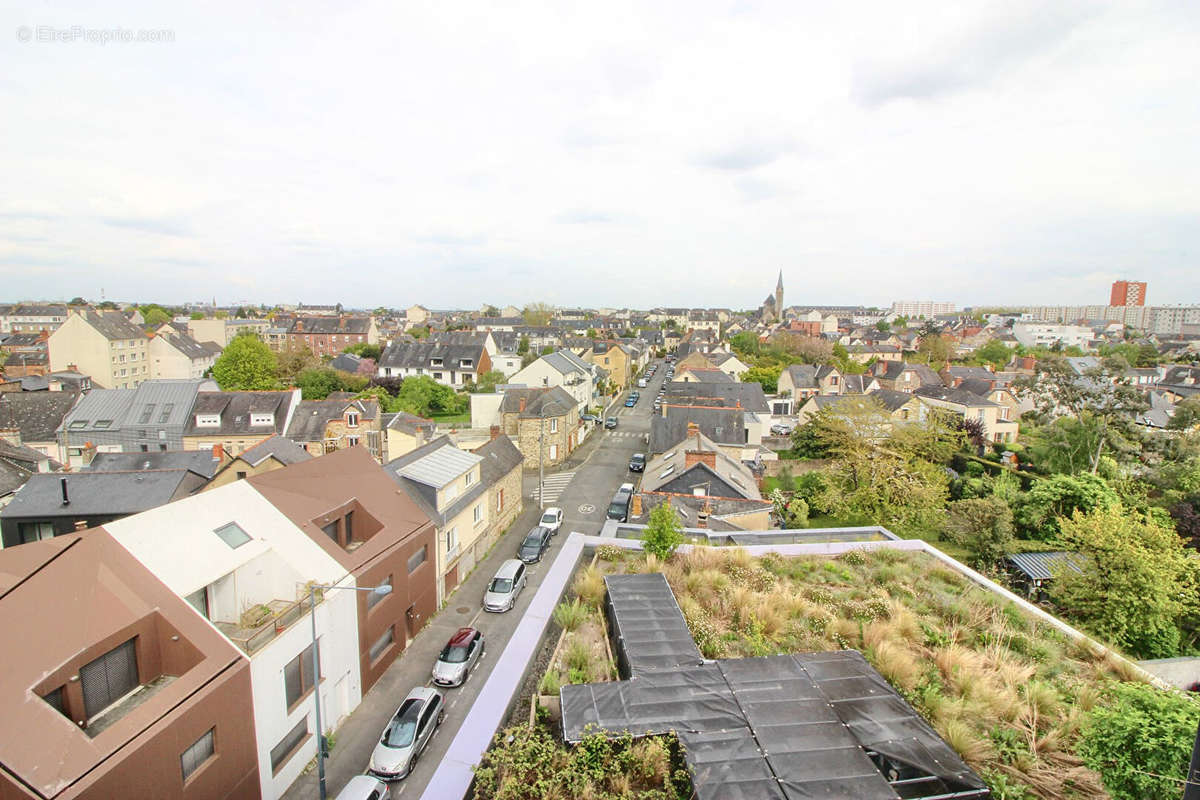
(1035, 713)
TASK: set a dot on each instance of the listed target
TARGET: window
(478, 514)
(553, 452)
(500, 501)
(469, 478)
(418, 558)
(352, 419)
(382, 643)
(123, 371)
(197, 755)
(109, 678)
(262, 419)
(437, 376)
(35, 531)
(288, 745)
(104, 423)
(78, 424)
(348, 521)
(199, 601)
(331, 530)
(147, 412)
(351, 441)
(145, 448)
(373, 599)
(298, 677)
(451, 540)
(241, 475)
(467, 363)
(435, 362)
(232, 534)
(208, 420)
(554, 425)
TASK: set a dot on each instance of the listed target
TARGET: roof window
(232, 534)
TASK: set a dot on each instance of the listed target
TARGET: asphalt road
(600, 465)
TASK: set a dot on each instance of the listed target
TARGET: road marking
(554, 485)
(586, 508)
(471, 624)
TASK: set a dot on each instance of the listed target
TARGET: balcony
(262, 623)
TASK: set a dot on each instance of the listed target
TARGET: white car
(365, 787)
(552, 520)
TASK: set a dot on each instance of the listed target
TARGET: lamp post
(316, 667)
(542, 456)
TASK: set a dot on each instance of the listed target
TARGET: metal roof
(439, 467)
(1040, 566)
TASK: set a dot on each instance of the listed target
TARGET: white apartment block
(1046, 334)
(922, 308)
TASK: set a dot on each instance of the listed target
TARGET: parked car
(588, 418)
(630, 402)
(552, 519)
(364, 787)
(506, 586)
(638, 462)
(458, 657)
(611, 422)
(536, 543)
(781, 429)
(618, 509)
(407, 733)
(641, 383)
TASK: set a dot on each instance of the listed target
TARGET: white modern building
(248, 570)
(561, 368)
(922, 308)
(1045, 334)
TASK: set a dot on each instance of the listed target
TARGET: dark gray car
(536, 542)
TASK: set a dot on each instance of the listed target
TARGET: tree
(197, 315)
(746, 344)
(1135, 582)
(537, 315)
(1187, 414)
(591, 333)
(882, 326)
(937, 349)
(155, 317)
(1041, 511)
(523, 345)
(995, 352)
(423, 396)
(547, 350)
(77, 301)
(1140, 741)
(365, 350)
(983, 525)
(246, 364)
(767, 376)
(319, 383)
(664, 532)
(805, 349)
(490, 310)
(487, 382)
(292, 361)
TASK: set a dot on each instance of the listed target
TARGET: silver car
(364, 787)
(407, 734)
(458, 657)
(501, 594)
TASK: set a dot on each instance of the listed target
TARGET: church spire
(779, 297)
(779, 286)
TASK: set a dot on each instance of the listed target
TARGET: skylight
(103, 423)
(232, 534)
(667, 471)
(77, 424)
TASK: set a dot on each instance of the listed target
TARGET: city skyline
(617, 153)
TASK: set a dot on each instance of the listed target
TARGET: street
(582, 487)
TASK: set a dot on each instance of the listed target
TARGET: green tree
(664, 532)
(746, 344)
(155, 316)
(1136, 583)
(547, 350)
(591, 333)
(197, 315)
(246, 364)
(487, 382)
(523, 345)
(767, 376)
(983, 525)
(319, 383)
(1187, 414)
(882, 326)
(364, 350)
(291, 362)
(537, 315)
(1140, 741)
(995, 352)
(936, 349)
(1040, 511)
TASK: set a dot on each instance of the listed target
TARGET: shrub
(1140, 743)
(550, 683)
(983, 525)
(578, 657)
(589, 587)
(570, 616)
(664, 533)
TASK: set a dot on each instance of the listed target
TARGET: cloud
(754, 189)
(746, 154)
(971, 58)
(449, 239)
(158, 225)
(29, 216)
(583, 216)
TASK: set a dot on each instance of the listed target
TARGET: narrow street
(582, 487)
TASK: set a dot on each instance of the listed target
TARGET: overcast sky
(603, 153)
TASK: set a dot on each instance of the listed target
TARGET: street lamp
(316, 659)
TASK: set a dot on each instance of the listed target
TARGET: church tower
(779, 296)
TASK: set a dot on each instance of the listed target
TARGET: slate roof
(553, 401)
(891, 370)
(283, 450)
(13, 475)
(669, 467)
(311, 417)
(707, 375)
(189, 347)
(99, 493)
(721, 425)
(24, 340)
(958, 396)
(419, 355)
(36, 415)
(200, 462)
(468, 338)
(235, 409)
(980, 386)
(408, 423)
(113, 325)
(32, 358)
(705, 393)
(500, 457)
(424, 494)
(303, 326)
(567, 362)
(346, 362)
(25, 310)
(856, 384)
(977, 373)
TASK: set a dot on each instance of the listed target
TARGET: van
(618, 509)
(641, 383)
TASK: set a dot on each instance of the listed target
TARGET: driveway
(599, 467)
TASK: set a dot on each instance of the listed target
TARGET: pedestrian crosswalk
(555, 485)
(626, 435)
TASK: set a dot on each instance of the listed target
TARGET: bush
(570, 616)
(1141, 742)
(664, 533)
(983, 525)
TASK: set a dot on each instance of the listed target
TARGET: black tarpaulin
(648, 629)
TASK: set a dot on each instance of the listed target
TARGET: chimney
(72, 368)
(692, 457)
(66, 500)
(521, 407)
(218, 452)
(494, 432)
(693, 429)
(702, 515)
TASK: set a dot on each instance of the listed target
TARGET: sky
(615, 154)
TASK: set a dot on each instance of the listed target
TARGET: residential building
(246, 567)
(801, 381)
(500, 471)
(322, 426)
(177, 355)
(728, 363)
(17, 464)
(737, 433)
(417, 315)
(328, 336)
(613, 357)
(1043, 334)
(73, 382)
(565, 370)
(32, 318)
(222, 331)
(922, 308)
(544, 423)
(404, 432)
(31, 419)
(53, 504)
(347, 504)
(453, 365)
(153, 417)
(1128, 293)
(903, 377)
(446, 484)
(101, 344)
(701, 375)
(994, 417)
(238, 421)
(747, 396)
(118, 687)
(268, 455)
(897, 406)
